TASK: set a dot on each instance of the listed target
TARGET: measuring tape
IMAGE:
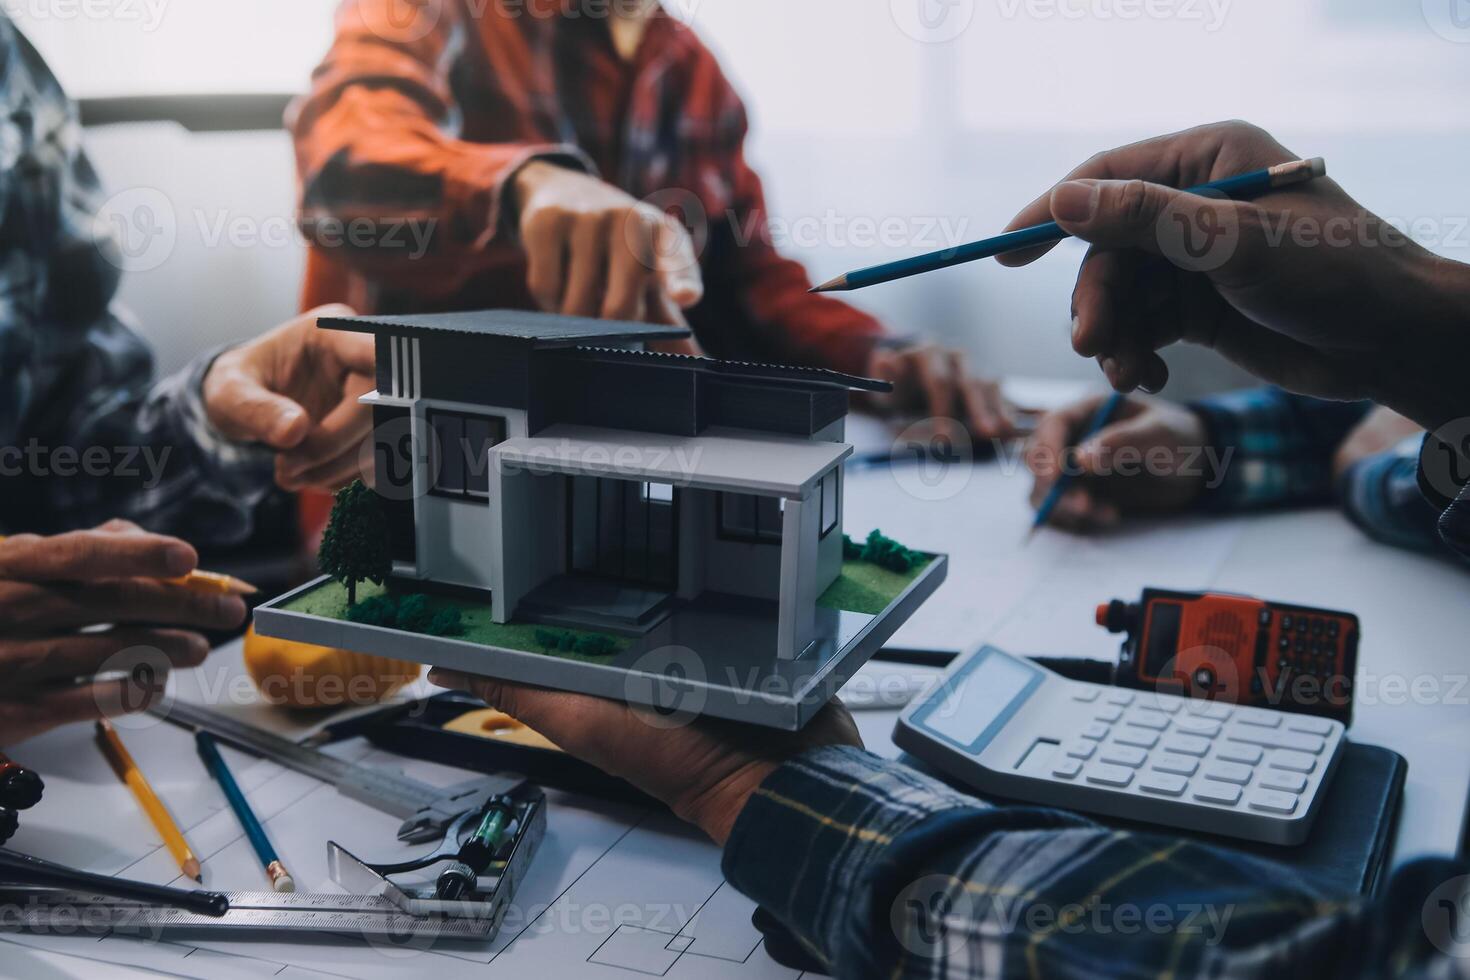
(369, 917)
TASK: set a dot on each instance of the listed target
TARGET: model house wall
(516, 452)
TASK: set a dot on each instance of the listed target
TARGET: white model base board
(727, 670)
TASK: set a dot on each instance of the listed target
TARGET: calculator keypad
(1143, 738)
(1212, 792)
(1198, 751)
(1163, 783)
(1106, 775)
(1272, 801)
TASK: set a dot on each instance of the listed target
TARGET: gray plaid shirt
(86, 433)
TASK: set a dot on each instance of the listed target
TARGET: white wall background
(931, 119)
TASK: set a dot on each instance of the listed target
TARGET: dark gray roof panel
(540, 329)
(736, 369)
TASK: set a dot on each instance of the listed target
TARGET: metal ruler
(368, 917)
(427, 810)
(377, 909)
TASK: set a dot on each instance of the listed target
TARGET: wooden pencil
(127, 770)
(280, 879)
(214, 583)
(1242, 187)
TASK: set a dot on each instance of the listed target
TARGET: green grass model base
(874, 573)
(866, 588)
(329, 600)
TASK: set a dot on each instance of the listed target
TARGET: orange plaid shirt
(423, 109)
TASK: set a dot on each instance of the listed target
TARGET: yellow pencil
(213, 583)
(127, 770)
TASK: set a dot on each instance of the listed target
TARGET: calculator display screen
(978, 697)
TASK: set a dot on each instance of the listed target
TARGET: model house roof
(739, 369)
(719, 459)
(538, 329)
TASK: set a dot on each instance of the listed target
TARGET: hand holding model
(1303, 288)
(704, 771)
(295, 389)
(53, 587)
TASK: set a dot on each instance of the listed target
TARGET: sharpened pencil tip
(192, 870)
(832, 285)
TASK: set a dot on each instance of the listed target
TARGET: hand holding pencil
(1302, 286)
(1148, 455)
(54, 587)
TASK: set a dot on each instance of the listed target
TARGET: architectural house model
(603, 518)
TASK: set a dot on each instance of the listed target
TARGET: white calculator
(1006, 726)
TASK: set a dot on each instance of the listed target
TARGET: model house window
(744, 517)
(658, 493)
(462, 445)
(831, 502)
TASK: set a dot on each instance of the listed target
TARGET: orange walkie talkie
(1238, 649)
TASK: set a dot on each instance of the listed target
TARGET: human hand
(592, 250)
(53, 587)
(1379, 432)
(1146, 459)
(296, 389)
(704, 771)
(1304, 287)
(936, 382)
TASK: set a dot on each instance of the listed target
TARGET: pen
(213, 583)
(1100, 420)
(276, 871)
(22, 869)
(127, 770)
(1242, 187)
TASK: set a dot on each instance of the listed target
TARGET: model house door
(624, 530)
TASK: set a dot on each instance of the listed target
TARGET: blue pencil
(1100, 420)
(215, 763)
(1241, 188)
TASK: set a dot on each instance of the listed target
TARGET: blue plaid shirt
(86, 432)
(866, 868)
(1281, 448)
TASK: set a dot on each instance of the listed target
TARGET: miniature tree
(355, 544)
